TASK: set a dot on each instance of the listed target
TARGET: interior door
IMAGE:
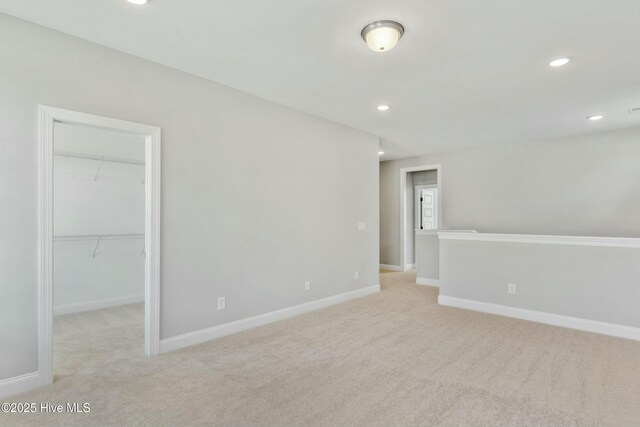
(428, 214)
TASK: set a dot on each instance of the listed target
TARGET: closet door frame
(48, 116)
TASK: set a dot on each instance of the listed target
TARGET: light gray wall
(428, 256)
(389, 214)
(256, 197)
(585, 185)
(597, 283)
(410, 243)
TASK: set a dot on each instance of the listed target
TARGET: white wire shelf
(98, 158)
(98, 237)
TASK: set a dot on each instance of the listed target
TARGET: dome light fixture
(380, 153)
(382, 36)
(138, 2)
(383, 107)
(595, 118)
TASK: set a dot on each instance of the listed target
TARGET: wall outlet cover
(511, 289)
(221, 303)
(307, 285)
(362, 226)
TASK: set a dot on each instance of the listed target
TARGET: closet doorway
(416, 217)
(99, 240)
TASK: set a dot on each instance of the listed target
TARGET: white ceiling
(465, 74)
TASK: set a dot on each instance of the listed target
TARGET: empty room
(319, 213)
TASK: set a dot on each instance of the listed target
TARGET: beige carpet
(80, 339)
(393, 359)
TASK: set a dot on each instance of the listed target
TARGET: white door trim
(48, 116)
(403, 203)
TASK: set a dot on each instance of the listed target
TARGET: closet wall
(98, 218)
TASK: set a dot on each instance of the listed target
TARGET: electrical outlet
(362, 226)
(357, 275)
(512, 289)
(307, 286)
(221, 303)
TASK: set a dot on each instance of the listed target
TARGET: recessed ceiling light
(595, 118)
(382, 36)
(383, 107)
(559, 62)
(380, 153)
(137, 1)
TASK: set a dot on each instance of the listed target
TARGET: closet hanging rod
(83, 237)
(96, 157)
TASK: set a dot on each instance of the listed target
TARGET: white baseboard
(391, 267)
(409, 267)
(19, 384)
(587, 325)
(96, 305)
(208, 334)
(427, 281)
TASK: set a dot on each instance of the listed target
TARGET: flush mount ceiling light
(137, 1)
(595, 118)
(559, 62)
(382, 36)
(380, 153)
(383, 107)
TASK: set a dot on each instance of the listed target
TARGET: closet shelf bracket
(95, 178)
(97, 244)
(99, 238)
